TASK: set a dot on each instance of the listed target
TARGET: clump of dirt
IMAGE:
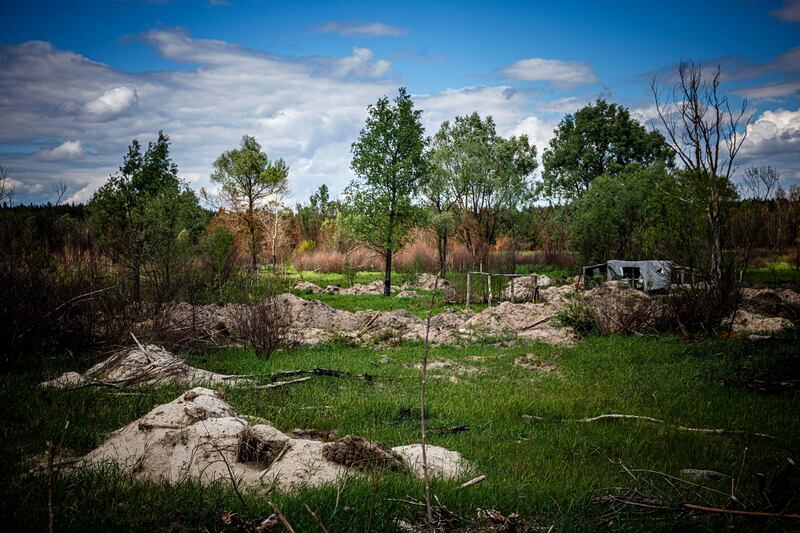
(260, 444)
(362, 453)
(149, 365)
(200, 436)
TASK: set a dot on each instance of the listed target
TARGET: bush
(262, 326)
(578, 315)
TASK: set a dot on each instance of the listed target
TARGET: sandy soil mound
(307, 287)
(199, 435)
(426, 282)
(442, 462)
(749, 322)
(133, 366)
(524, 288)
(527, 321)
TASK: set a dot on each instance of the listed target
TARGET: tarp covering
(653, 275)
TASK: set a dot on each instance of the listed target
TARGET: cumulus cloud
(361, 29)
(361, 64)
(559, 73)
(112, 102)
(63, 152)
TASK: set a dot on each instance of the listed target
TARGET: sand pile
(619, 308)
(526, 321)
(745, 321)
(525, 288)
(200, 436)
(134, 366)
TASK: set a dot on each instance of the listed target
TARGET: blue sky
(78, 81)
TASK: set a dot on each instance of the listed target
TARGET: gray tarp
(651, 275)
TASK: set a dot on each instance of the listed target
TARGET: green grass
(776, 274)
(546, 470)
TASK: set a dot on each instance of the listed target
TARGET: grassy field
(548, 469)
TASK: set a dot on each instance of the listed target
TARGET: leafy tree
(637, 213)
(146, 216)
(598, 139)
(248, 180)
(388, 159)
(484, 174)
(312, 216)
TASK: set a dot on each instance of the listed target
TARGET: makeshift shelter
(653, 275)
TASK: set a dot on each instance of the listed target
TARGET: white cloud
(363, 29)
(65, 151)
(774, 132)
(112, 102)
(361, 65)
(559, 73)
(771, 90)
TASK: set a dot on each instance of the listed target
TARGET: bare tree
(60, 188)
(6, 188)
(706, 133)
(759, 182)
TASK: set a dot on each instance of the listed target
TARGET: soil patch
(199, 435)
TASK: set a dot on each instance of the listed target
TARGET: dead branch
(471, 482)
(736, 512)
(282, 518)
(717, 431)
(453, 429)
(316, 519)
(423, 381)
(277, 384)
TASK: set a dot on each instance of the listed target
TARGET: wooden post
(512, 290)
(468, 288)
(489, 278)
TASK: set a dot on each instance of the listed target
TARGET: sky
(80, 80)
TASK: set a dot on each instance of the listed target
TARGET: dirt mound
(307, 287)
(373, 288)
(443, 463)
(557, 296)
(199, 435)
(134, 366)
(406, 294)
(749, 322)
(790, 297)
(526, 321)
(525, 288)
(362, 453)
(426, 282)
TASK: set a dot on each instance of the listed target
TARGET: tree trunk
(714, 234)
(137, 283)
(387, 277)
(442, 255)
(253, 248)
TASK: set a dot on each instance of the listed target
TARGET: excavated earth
(200, 436)
(146, 365)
